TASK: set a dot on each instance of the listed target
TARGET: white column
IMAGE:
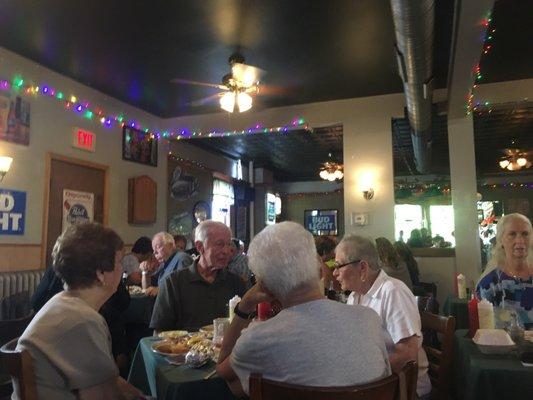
(464, 190)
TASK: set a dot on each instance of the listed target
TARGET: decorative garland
(108, 120)
(404, 190)
(298, 196)
(186, 161)
(476, 69)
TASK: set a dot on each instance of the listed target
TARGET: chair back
(439, 355)
(19, 364)
(13, 328)
(401, 386)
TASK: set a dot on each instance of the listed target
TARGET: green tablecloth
(152, 374)
(457, 308)
(140, 309)
(487, 377)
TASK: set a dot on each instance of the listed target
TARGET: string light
(108, 120)
(297, 196)
(476, 69)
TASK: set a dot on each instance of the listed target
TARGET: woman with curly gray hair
(68, 339)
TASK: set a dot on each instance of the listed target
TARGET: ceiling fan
(238, 86)
(515, 159)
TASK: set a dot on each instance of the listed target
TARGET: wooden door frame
(46, 198)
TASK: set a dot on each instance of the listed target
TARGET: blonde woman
(510, 281)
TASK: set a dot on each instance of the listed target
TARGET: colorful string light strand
(477, 76)
(83, 108)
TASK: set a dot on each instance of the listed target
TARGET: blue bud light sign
(321, 222)
(12, 212)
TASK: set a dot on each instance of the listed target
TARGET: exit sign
(84, 140)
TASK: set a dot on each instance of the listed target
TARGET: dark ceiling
(495, 129)
(312, 50)
(291, 156)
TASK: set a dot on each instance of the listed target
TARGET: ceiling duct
(414, 22)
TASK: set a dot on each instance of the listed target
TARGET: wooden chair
(395, 387)
(439, 356)
(19, 365)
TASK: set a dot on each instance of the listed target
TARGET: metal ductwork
(414, 22)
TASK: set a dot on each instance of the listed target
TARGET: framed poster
(139, 147)
(14, 119)
(78, 207)
(321, 222)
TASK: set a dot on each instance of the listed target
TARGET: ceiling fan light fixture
(504, 164)
(244, 101)
(331, 171)
(227, 102)
(522, 161)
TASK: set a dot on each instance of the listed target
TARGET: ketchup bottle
(473, 317)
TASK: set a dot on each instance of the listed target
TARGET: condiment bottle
(485, 312)
(473, 317)
(264, 311)
(461, 286)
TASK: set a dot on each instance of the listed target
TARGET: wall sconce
(368, 193)
(5, 164)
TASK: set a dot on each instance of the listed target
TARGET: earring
(363, 279)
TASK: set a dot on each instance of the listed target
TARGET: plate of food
(173, 334)
(207, 328)
(168, 347)
(135, 290)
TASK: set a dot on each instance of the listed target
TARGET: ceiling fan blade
(269, 90)
(190, 82)
(203, 101)
(248, 75)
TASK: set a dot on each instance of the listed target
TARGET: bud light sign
(12, 212)
(321, 222)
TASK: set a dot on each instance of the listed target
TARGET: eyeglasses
(338, 266)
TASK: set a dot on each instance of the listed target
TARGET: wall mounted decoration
(182, 185)
(14, 119)
(78, 207)
(12, 212)
(139, 146)
(321, 222)
(142, 200)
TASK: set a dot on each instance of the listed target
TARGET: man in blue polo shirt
(170, 259)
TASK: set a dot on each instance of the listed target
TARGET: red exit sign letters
(84, 140)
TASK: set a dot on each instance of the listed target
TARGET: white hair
(204, 228)
(166, 237)
(283, 257)
(498, 252)
(357, 247)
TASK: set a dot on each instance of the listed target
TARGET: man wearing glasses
(357, 269)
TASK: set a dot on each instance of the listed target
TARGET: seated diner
(312, 341)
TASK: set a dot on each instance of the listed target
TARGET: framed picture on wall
(321, 222)
(139, 147)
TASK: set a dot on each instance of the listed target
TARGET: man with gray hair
(357, 269)
(169, 258)
(313, 341)
(192, 297)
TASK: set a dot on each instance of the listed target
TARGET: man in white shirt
(357, 269)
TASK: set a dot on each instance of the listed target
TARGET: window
(223, 199)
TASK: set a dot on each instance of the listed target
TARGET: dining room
(368, 118)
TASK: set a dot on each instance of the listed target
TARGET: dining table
(140, 309)
(155, 376)
(458, 308)
(476, 375)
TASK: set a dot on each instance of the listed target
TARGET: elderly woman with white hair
(357, 268)
(313, 341)
(510, 283)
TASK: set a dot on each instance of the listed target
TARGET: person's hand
(257, 294)
(151, 291)
(144, 266)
